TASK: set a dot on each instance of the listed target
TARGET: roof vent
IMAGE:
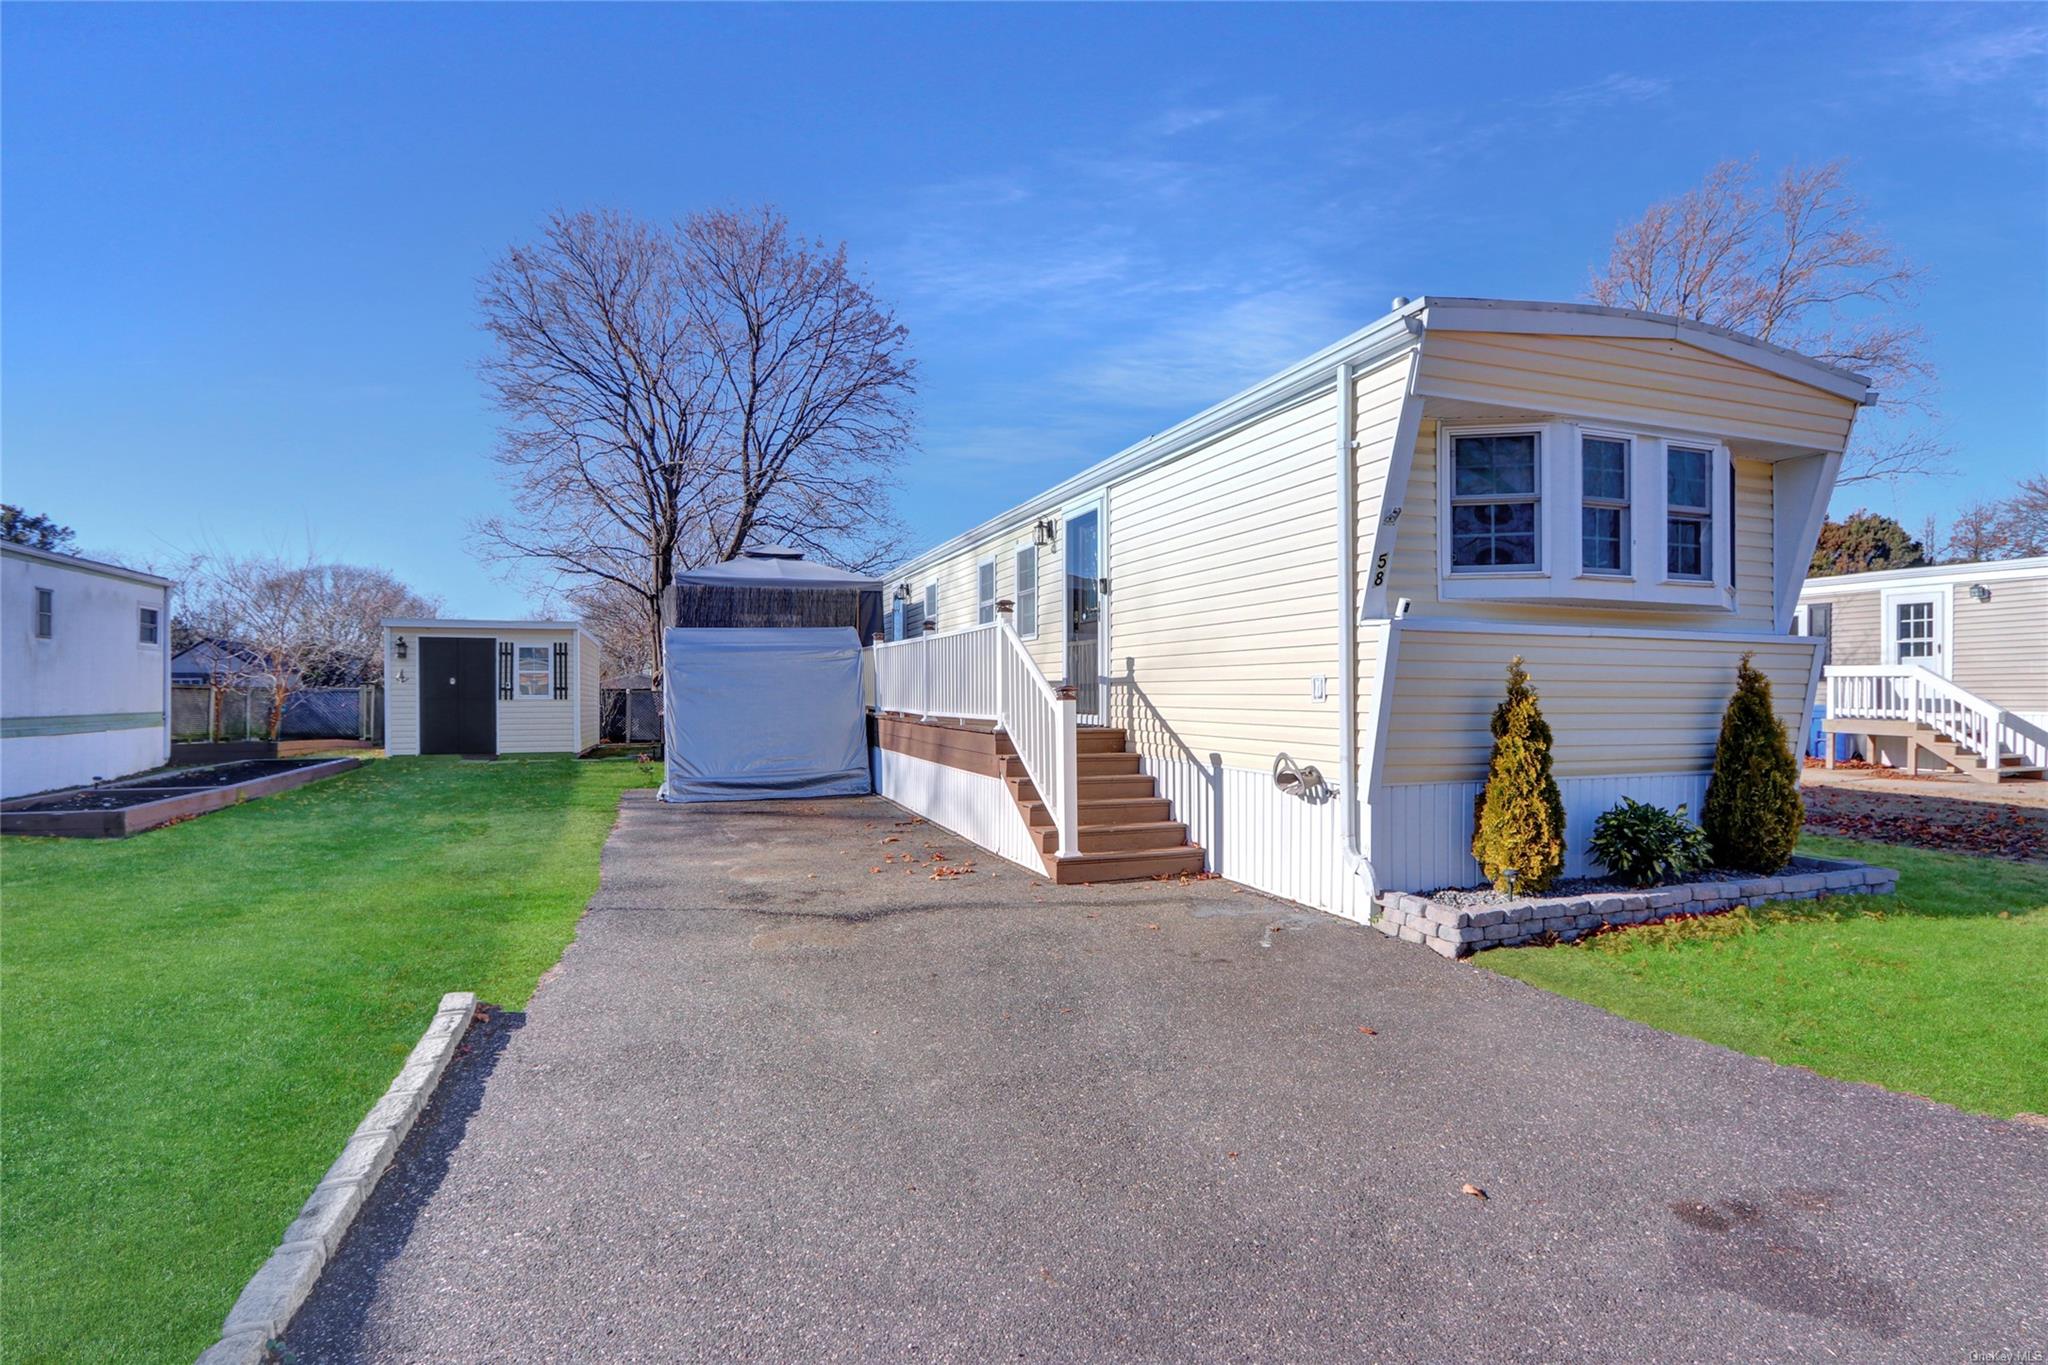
(1400, 302)
(771, 552)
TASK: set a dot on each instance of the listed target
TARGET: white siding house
(1973, 638)
(1298, 579)
(489, 687)
(84, 670)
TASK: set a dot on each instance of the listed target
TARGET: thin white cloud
(1206, 351)
(1976, 58)
(1618, 88)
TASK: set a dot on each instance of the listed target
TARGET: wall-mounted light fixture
(903, 592)
(1044, 533)
(398, 646)
(1980, 592)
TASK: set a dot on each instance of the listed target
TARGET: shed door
(458, 696)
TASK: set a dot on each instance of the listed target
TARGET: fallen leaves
(1469, 1188)
(1368, 1032)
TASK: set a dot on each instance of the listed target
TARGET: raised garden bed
(120, 809)
(1459, 923)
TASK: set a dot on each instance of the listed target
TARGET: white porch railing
(1918, 696)
(986, 673)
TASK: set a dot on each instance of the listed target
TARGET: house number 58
(1379, 571)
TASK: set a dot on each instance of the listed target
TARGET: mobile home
(86, 670)
(1942, 666)
(1267, 641)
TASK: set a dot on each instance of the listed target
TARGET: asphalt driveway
(778, 1105)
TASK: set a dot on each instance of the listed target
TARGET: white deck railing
(986, 673)
(1918, 696)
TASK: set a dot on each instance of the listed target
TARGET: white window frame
(1625, 504)
(519, 672)
(155, 625)
(46, 614)
(1712, 563)
(1447, 479)
(1027, 588)
(931, 604)
(1560, 576)
(987, 590)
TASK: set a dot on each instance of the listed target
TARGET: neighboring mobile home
(1937, 662)
(489, 687)
(84, 673)
(1290, 615)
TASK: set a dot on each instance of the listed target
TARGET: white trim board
(1928, 575)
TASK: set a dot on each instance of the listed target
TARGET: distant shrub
(1518, 821)
(1753, 811)
(1645, 845)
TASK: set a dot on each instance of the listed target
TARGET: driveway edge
(277, 1289)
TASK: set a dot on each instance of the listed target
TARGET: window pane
(1494, 535)
(1494, 464)
(1687, 477)
(1027, 590)
(533, 671)
(1606, 468)
(1685, 541)
(1602, 530)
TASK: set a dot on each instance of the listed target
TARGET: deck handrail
(985, 672)
(1919, 696)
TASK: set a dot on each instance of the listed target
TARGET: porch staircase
(1127, 831)
(1932, 715)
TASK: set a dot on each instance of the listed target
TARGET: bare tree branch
(1800, 266)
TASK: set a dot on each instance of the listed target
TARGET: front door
(1084, 610)
(1916, 629)
(458, 695)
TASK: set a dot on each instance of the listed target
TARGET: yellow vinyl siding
(2000, 647)
(1413, 571)
(590, 697)
(1223, 599)
(959, 590)
(1661, 383)
(1616, 704)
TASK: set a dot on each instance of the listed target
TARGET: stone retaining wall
(1460, 931)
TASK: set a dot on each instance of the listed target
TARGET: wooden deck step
(1124, 866)
(1110, 787)
(1138, 835)
(1127, 810)
(1096, 739)
(1092, 765)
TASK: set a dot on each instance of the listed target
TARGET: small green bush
(1645, 845)
(1518, 821)
(1753, 810)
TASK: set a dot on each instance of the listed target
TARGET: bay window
(1571, 512)
(1495, 504)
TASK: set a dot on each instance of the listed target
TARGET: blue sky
(241, 242)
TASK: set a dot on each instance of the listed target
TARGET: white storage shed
(489, 687)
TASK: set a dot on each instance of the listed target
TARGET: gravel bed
(1472, 897)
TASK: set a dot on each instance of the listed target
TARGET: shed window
(534, 673)
(46, 613)
(145, 627)
(1027, 590)
(985, 592)
(1494, 502)
(1689, 505)
(1603, 516)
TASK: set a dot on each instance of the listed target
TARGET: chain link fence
(629, 715)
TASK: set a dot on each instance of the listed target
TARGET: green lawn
(192, 1021)
(1941, 990)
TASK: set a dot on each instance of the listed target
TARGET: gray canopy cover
(749, 715)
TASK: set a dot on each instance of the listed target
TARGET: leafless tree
(279, 623)
(675, 395)
(609, 391)
(2014, 527)
(815, 379)
(1797, 263)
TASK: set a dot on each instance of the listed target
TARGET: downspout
(1347, 622)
